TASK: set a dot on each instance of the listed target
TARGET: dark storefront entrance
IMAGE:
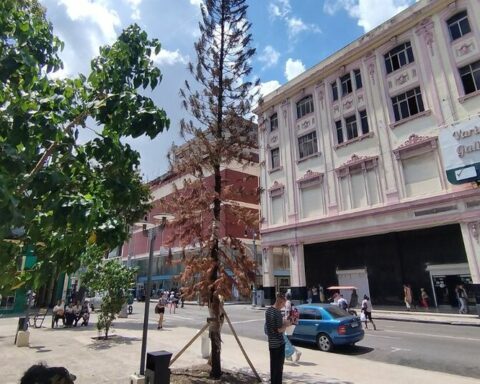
(391, 260)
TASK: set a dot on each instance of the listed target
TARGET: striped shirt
(274, 321)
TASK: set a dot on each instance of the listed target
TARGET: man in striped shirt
(275, 325)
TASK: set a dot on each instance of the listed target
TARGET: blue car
(327, 326)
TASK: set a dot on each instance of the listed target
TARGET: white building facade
(354, 186)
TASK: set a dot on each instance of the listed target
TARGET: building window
(470, 75)
(339, 129)
(458, 25)
(351, 127)
(275, 158)
(346, 82)
(407, 104)
(364, 122)
(273, 122)
(304, 106)
(358, 79)
(334, 91)
(398, 57)
(277, 209)
(307, 144)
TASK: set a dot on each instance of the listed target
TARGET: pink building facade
(355, 188)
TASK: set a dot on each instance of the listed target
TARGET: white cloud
(293, 68)
(370, 13)
(279, 8)
(269, 56)
(282, 10)
(166, 57)
(196, 3)
(268, 87)
(135, 7)
(97, 13)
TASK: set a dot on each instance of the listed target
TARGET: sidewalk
(113, 361)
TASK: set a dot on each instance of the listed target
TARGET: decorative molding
(360, 99)
(474, 229)
(277, 189)
(354, 140)
(355, 162)
(274, 139)
(371, 71)
(402, 79)
(425, 30)
(336, 108)
(285, 104)
(262, 125)
(465, 49)
(321, 93)
(310, 177)
(413, 142)
(347, 104)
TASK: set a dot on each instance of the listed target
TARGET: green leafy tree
(221, 133)
(113, 280)
(61, 193)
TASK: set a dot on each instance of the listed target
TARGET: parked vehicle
(95, 300)
(327, 325)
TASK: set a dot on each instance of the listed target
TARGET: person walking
(275, 326)
(462, 299)
(407, 296)
(367, 312)
(353, 299)
(291, 353)
(424, 298)
(160, 310)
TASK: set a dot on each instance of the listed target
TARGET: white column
(297, 265)
(471, 239)
(268, 280)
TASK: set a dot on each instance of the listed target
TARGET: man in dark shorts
(275, 325)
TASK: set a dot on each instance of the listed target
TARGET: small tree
(113, 280)
(222, 134)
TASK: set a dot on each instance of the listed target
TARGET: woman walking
(367, 312)
(424, 297)
(291, 353)
(160, 310)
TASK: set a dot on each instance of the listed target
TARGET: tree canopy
(58, 194)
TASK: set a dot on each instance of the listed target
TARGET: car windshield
(336, 312)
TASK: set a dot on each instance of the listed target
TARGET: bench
(39, 317)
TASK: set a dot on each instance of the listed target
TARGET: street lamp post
(151, 231)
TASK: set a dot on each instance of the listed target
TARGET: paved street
(436, 347)
(388, 355)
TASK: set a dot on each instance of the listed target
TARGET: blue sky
(289, 35)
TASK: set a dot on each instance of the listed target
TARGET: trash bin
(260, 298)
(157, 371)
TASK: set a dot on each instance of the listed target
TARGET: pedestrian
(315, 295)
(367, 312)
(462, 298)
(353, 299)
(171, 302)
(424, 298)
(160, 310)
(342, 302)
(290, 314)
(58, 313)
(309, 295)
(275, 326)
(407, 296)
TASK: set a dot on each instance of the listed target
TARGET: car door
(308, 321)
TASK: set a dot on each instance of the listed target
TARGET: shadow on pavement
(112, 341)
(354, 350)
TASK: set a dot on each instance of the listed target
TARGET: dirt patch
(199, 374)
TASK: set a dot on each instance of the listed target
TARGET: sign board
(460, 146)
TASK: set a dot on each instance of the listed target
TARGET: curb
(444, 322)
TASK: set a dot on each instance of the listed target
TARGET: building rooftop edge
(378, 36)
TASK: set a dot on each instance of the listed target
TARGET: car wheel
(324, 343)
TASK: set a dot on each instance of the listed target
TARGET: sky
(289, 36)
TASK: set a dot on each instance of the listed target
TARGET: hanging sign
(460, 146)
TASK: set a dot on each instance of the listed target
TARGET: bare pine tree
(221, 133)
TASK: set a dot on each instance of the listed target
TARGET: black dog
(41, 374)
